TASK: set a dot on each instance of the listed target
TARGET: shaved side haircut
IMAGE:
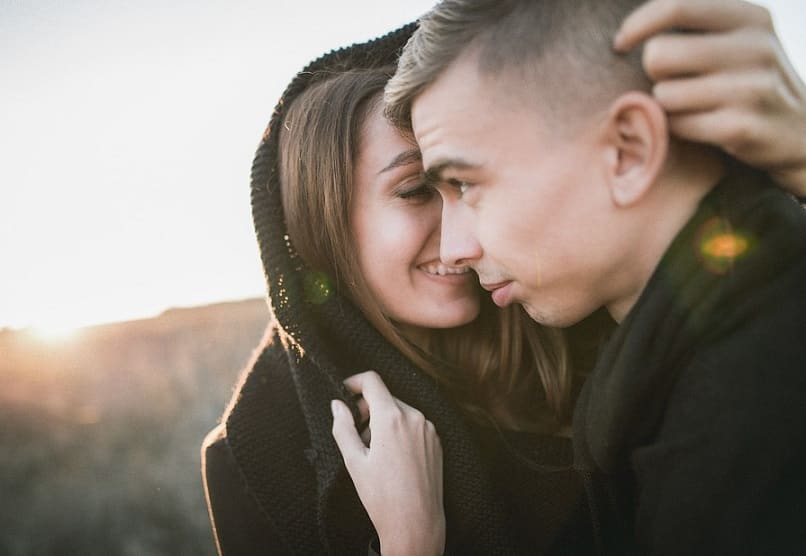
(560, 49)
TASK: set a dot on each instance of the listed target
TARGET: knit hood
(326, 339)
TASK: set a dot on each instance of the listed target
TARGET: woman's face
(396, 226)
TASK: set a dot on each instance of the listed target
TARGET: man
(562, 188)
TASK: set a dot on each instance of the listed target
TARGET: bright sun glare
(53, 333)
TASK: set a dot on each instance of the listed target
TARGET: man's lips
(494, 286)
(500, 292)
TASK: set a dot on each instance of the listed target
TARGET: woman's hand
(729, 83)
(398, 473)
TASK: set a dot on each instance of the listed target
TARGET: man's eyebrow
(403, 159)
(433, 174)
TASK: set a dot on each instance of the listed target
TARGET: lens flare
(725, 246)
(317, 288)
(719, 246)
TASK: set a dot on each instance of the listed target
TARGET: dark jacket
(692, 427)
(260, 480)
(274, 477)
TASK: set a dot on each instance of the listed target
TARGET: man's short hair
(564, 47)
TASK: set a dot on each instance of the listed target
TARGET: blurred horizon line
(166, 311)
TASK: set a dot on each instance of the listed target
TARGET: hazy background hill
(100, 433)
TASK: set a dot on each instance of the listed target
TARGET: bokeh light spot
(317, 287)
(725, 246)
(719, 246)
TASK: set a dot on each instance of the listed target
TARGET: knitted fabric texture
(317, 335)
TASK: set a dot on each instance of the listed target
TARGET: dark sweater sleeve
(239, 525)
(727, 472)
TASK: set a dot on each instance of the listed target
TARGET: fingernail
(335, 407)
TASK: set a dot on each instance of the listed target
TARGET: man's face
(524, 205)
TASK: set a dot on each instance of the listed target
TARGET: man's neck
(692, 171)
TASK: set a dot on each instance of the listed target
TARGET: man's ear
(637, 142)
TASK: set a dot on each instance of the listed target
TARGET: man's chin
(533, 313)
(549, 317)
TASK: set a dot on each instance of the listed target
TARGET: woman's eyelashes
(416, 192)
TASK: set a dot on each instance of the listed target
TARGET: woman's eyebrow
(403, 159)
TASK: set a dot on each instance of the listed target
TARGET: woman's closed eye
(418, 192)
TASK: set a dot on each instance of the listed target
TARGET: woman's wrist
(430, 542)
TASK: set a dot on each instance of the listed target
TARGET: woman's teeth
(442, 270)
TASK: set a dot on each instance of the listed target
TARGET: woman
(276, 441)
(384, 255)
(360, 226)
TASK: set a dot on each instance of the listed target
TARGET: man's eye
(461, 185)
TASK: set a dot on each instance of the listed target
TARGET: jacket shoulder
(258, 462)
(239, 524)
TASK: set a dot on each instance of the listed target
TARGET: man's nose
(458, 244)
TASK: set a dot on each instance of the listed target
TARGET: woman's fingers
(675, 55)
(754, 116)
(346, 436)
(363, 410)
(369, 385)
(366, 436)
(713, 127)
(722, 76)
(395, 465)
(762, 92)
(656, 16)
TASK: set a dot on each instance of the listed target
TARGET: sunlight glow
(54, 333)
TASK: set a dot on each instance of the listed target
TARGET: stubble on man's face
(535, 214)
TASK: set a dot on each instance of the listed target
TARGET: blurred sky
(127, 131)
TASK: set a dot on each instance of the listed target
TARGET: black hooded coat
(274, 478)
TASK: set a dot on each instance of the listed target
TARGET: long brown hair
(502, 360)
